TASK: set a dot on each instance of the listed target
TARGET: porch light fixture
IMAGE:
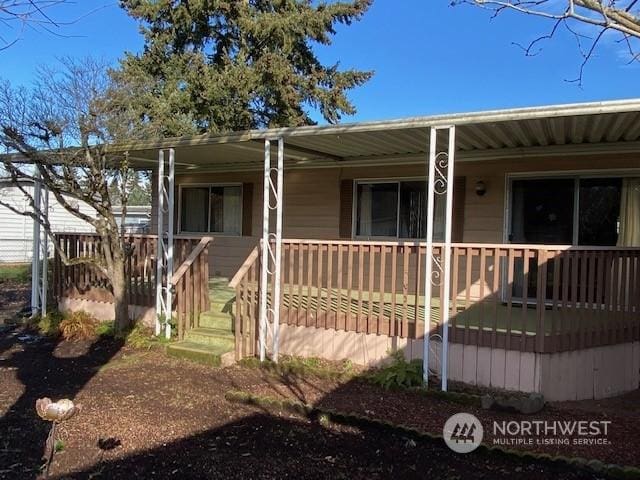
(481, 188)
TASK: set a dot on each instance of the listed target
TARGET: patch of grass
(300, 366)
(17, 272)
(78, 325)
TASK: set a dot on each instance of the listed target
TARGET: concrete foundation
(105, 311)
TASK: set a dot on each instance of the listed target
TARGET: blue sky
(428, 57)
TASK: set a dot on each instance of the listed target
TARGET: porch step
(205, 354)
(211, 319)
(210, 336)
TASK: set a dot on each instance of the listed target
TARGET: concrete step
(210, 336)
(206, 354)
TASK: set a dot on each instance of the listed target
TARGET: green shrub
(49, 324)
(141, 337)
(78, 325)
(106, 329)
(399, 374)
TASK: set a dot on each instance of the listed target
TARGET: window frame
(209, 186)
(354, 207)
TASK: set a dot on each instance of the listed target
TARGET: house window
(566, 211)
(396, 209)
(211, 209)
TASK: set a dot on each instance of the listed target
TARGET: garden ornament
(54, 412)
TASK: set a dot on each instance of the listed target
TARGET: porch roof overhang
(574, 129)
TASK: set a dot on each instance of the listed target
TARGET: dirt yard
(147, 416)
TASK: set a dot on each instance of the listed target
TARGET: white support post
(446, 257)
(439, 182)
(160, 306)
(170, 214)
(35, 249)
(271, 251)
(429, 255)
(264, 270)
(278, 246)
(45, 258)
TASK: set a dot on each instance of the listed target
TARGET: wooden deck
(577, 297)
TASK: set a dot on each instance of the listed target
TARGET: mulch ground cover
(145, 415)
(14, 295)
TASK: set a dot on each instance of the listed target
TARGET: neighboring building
(16, 231)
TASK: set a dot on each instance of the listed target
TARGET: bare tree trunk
(120, 297)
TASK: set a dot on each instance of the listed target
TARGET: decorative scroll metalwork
(164, 250)
(440, 181)
(269, 320)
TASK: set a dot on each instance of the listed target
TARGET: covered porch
(319, 266)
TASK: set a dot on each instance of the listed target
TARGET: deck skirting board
(590, 373)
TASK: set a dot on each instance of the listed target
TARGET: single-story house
(532, 241)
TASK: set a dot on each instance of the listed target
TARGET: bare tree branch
(621, 16)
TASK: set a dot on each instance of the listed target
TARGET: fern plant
(399, 374)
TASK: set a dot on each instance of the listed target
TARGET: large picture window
(396, 209)
(211, 209)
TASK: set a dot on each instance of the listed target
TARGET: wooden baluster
(525, 297)
(510, 277)
(495, 292)
(330, 318)
(467, 295)
(590, 301)
(350, 325)
(309, 317)
(415, 333)
(405, 290)
(555, 306)
(393, 330)
(383, 324)
(360, 288)
(288, 302)
(541, 300)
(482, 300)
(453, 318)
(300, 283)
(197, 289)
(320, 318)
(372, 270)
(340, 321)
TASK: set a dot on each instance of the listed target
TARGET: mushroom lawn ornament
(54, 412)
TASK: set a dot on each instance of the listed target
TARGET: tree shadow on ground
(51, 373)
(265, 446)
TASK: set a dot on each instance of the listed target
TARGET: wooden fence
(517, 297)
(85, 281)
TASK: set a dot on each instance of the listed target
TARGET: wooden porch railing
(245, 283)
(191, 284)
(84, 281)
(516, 297)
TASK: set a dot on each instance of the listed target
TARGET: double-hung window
(211, 209)
(395, 209)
